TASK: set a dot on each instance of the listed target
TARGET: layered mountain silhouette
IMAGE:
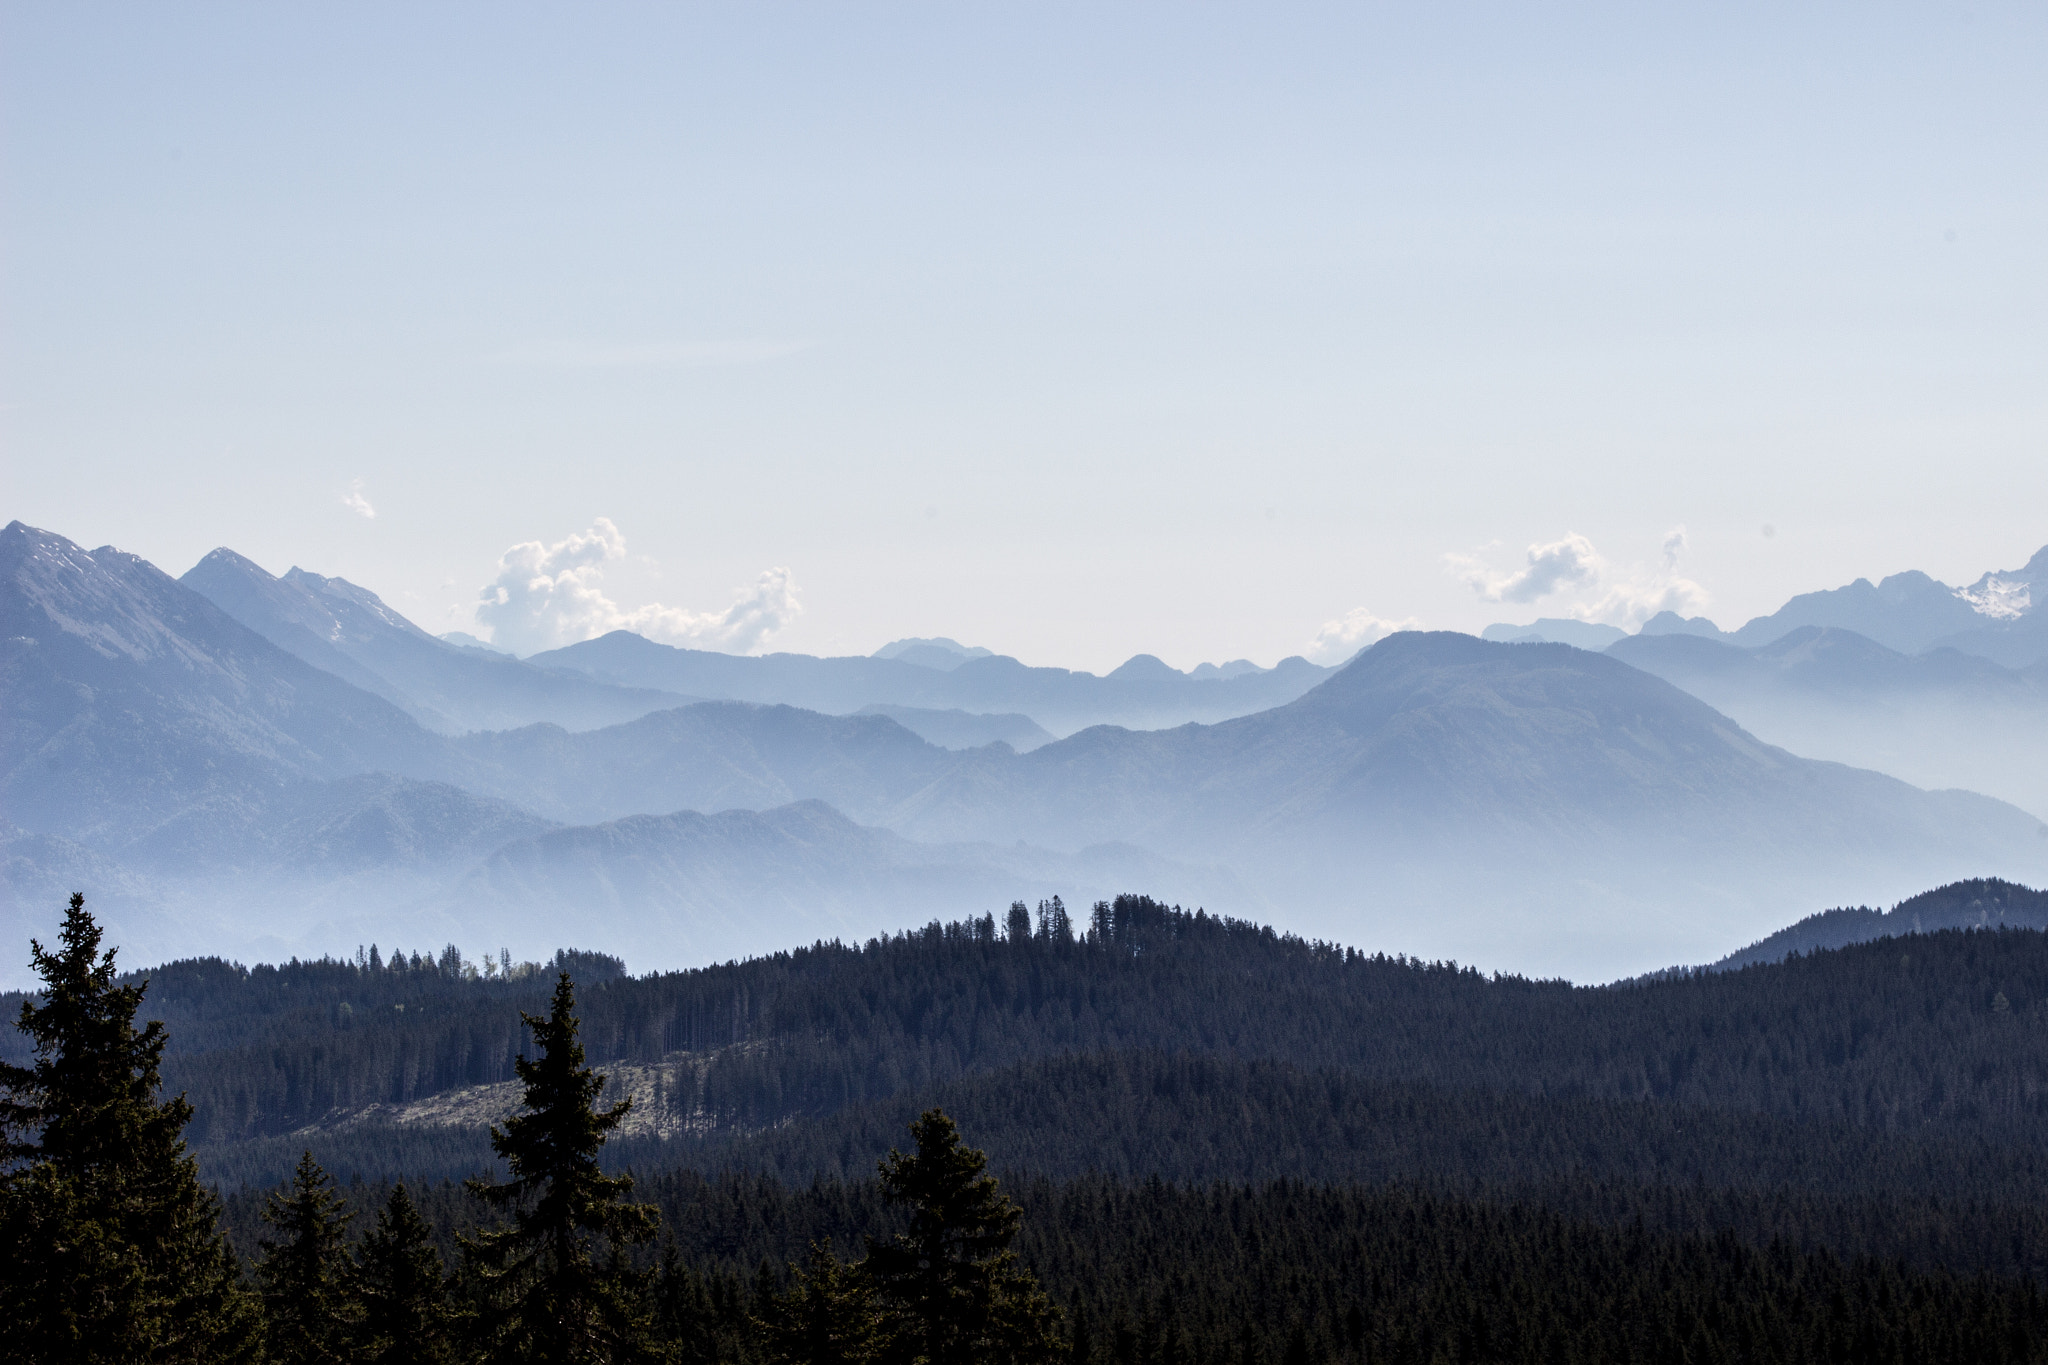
(132, 701)
(1942, 718)
(1143, 692)
(1529, 805)
(213, 790)
(957, 729)
(693, 887)
(1906, 612)
(1998, 617)
(334, 625)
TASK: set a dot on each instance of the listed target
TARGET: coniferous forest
(1140, 1135)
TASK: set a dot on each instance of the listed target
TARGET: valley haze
(234, 762)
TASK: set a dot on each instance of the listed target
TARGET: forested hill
(1945, 1033)
(1985, 903)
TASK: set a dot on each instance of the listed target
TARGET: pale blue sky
(1073, 330)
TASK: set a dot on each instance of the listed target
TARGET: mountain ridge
(350, 631)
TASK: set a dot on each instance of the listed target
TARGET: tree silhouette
(406, 1318)
(549, 1297)
(307, 1294)
(111, 1247)
(828, 1316)
(953, 1289)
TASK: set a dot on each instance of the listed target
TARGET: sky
(1073, 331)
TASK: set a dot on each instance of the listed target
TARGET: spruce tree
(305, 1273)
(952, 1287)
(548, 1295)
(684, 1314)
(406, 1318)
(828, 1316)
(111, 1247)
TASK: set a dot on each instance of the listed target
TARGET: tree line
(1946, 1031)
(117, 1252)
(114, 1252)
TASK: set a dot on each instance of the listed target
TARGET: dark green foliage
(689, 1316)
(406, 1317)
(416, 1025)
(308, 1295)
(1894, 1036)
(828, 1316)
(1223, 1273)
(1981, 903)
(111, 1247)
(1807, 1161)
(1199, 1118)
(548, 1297)
(949, 1282)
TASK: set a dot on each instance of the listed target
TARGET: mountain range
(1999, 617)
(262, 765)
(1940, 718)
(1143, 692)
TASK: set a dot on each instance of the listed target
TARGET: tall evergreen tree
(111, 1247)
(549, 1295)
(828, 1316)
(406, 1318)
(684, 1314)
(305, 1273)
(952, 1286)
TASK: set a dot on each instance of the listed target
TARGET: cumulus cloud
(1604, 592)
(1563, 563)
(547, 596)
(355, 502)
(1628, 604)
(1674, 546)
(1338, 640)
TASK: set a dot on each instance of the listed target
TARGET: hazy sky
(1069, 330)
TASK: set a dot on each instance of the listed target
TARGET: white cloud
(1561, 564)
(1338, 640)
(547, 596)
(1604, 592)
(1630, 603)
(355, 502)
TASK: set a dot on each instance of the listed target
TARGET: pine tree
(406, 1318)
(952, 1287)
(684, 1314)
(549, 1296)
(827, 1317)
(305, 1273)
(111, 1247)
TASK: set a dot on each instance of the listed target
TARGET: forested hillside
(1299, 1273)
(1227, 1144)
(1938, 1036)
(1962, 905)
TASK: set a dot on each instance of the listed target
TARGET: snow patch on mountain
(2001, 599)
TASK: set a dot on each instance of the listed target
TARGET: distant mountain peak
(2006, 596)
(1236, 668)
(343, 590)
(1671, 623)
(1556, 630)
(1144, 667)
(462, 639)
(938, 651)
(224, 558)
